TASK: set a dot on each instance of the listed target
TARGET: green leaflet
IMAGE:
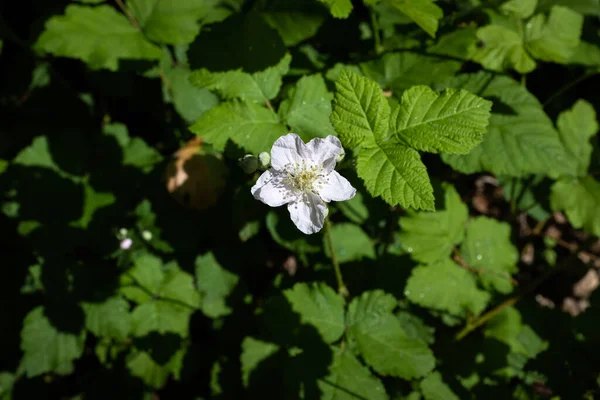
(445, 286)
(434, 388)
(576, 127)
(253, 352)
(339, 8)
(83, 33)
(521, 139)
(423, 12)
(348, 378)
(47, 349)
(502, 48)
(382, 340)
(350, 243)
(488, 249)
(451, 122)
(251, 126)
(295, 20)
(522, 8)
(214, 283)
(308, 107)
(320, 306)
(255, 88)
(170, 21)
(431, 236)
(110, 318)
(152, 373)
(580, 200)
(390, 170)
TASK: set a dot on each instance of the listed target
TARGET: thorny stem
(336, 266)
(476, 323)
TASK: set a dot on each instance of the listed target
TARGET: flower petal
(336, 188)
(288, 149)
(308, 213)
(271, 189)
(324, 151)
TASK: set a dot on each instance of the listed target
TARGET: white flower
(126, 244)
(303, 177)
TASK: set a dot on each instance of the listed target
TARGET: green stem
(375, 26)
(476, 323)
(154, 295)
(513, 196)
(336, 266)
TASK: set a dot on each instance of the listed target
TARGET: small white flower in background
(303, 177)
(147, 235)
(126, 243)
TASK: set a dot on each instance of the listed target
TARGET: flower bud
(147, 235)
(126, 244)
(264, 160)
(248, 163)
(340, 157)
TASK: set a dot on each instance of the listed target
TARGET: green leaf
(431, 236)
(320, 306)
(108, 319)
(487, 248)
(155, 375)
(47, 349)
(136, 151)
(354, 209)
(166, 297)
(189, 101)
(575, 127)
(339, 8)
(501, 49)
(360, 111)
(295, 21)
(521, 8)
(382, 340)
(99, 36)
(93, 202)
(348, 379)
(170, 21)
(521, 139)
(586, 54)
(350, 243)
(585, 7)
(445, 286)
(6, 385)
(254, 351)
(256, 88)
(423, 12)
(285, 234)
(215, 283)
(556, 38)
(250, 126)
(451, 122)
(434, 388)
(580, 200)
(308, 108)
(397, 174)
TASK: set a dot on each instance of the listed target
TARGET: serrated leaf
(580, 200)
(189, 101)
(110, 318)
(556, 38)
(215, 283)
(585, 7)
(501, 49)
(250, 126)
(434, 388)
(453, 121)
(170, 21)
(47, 349)
(348, 379)
(381, 339)
(254, 351)
(339, 8)
(575, 127)
(521, 8)
(155, 375)
(431, 236)
(295, 21)
(445, 286)
(521, 139)
(160, 316)
(397, 174)
(424, 13)
(99, 36)
(308, 108)
(135, 151)
(350, 243)
(487, 248)
(320, 306)
(360, 111)
(255, 88)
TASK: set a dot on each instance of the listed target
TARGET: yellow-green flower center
(305, 178)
